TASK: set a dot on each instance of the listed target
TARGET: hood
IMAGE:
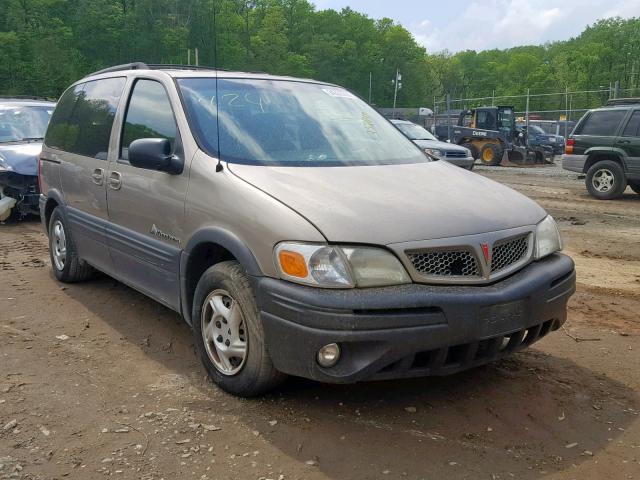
(394, 203)
(449, 147)
(21, 158)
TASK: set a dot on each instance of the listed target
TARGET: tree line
(47, 44)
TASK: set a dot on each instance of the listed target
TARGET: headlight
(548, 238)
(434, 152)
(338, 266)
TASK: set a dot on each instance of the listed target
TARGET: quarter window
(149, 115)
(631, 130)
(83, 118)
(603, 123)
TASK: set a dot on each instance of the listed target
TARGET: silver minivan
(293, 227)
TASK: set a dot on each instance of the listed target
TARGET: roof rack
(622, 101)
(150, 66)
(123, 67)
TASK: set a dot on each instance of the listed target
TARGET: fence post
(448, 117)
(493, 98)
(566, 110)
(526, 118)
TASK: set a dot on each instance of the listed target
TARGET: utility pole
(197, 63)
(188, 56)
(398, 86)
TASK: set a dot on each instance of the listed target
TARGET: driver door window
(149, 115)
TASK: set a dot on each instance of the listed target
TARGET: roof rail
(156, 66)
(120, 68)
(622, 101)
(25, 97)
(175, 66)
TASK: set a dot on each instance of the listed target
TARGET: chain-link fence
(556, 113)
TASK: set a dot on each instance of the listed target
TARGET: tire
(635, 186)
(67, 266)
(491, 154)
(605, 180)
(473, 149)
(247, 371)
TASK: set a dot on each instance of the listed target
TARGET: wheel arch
(204, 249)
(595, 156)
(54, 199)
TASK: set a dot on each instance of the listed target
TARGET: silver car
(433, 147)
(23, 122)
(294, 228)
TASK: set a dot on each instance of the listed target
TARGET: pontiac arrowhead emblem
(486, 252)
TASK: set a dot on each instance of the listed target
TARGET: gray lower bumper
(412, 330)
(461, 162)
(574, 163)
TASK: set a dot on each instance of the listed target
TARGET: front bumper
(466, 162)
(574, 163)
(412, 330)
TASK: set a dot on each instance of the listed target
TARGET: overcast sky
(479, 25)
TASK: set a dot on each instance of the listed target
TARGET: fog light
(329, 355)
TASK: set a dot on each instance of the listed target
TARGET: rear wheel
(228, 332)
(635, 186)
(67, 266)
(605, 180)
(491, 154)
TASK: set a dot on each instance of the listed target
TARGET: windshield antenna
(219, 167)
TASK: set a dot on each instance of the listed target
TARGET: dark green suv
(605, 145)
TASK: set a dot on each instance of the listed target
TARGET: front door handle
(97, 176)
(624, 141)
(115, 180)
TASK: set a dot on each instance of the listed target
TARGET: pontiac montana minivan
(293, 227)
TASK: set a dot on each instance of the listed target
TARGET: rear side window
(82, 123)
(149, 115)
(602, 123)
(633, 126)
(59, 123)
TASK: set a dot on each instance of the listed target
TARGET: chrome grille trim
(430, 261)
(508, 252)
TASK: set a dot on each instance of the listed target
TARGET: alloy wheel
(224, 332)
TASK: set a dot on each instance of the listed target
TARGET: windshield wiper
(30, 139)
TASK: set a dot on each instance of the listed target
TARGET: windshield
(415, 132)
(535, 129)
(275, 122)
(23, 122)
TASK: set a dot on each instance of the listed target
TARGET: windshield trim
(215, 153)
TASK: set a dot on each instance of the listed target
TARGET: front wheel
(491, 154)
(228, 332)
(605, 180)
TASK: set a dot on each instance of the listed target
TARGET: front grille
(455, 155)
(454, 358)
(509, 252)
(445, 263)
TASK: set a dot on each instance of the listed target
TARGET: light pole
(397, 82)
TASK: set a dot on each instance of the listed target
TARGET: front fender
(223, 238)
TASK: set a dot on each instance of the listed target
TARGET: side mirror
(154, 154)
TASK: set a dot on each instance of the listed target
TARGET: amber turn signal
(293, 263)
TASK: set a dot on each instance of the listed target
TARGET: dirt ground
(97, 380)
